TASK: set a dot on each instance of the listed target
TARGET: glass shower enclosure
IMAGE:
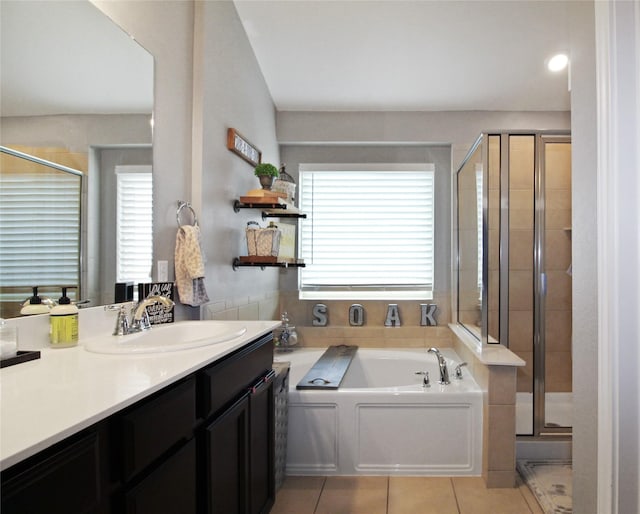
(512, 245)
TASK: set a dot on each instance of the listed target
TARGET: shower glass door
(538, 281)
(555, 301)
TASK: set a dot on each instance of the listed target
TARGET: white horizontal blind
(134, 223)
(370, 228)
(39, 230)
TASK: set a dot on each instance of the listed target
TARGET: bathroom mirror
(72, 79)
(469, 184)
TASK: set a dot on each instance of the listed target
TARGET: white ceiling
(315, 55)
(67, 57)
(409, 55)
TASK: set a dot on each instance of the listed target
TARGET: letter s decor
(320, 317)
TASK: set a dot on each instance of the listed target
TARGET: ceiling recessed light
(558, 62)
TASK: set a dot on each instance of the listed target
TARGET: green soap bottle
(64, 323)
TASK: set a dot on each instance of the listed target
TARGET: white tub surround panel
(382, 421)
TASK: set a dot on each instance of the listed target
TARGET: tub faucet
(442, 363)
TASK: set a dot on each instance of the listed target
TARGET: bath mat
(550, 482)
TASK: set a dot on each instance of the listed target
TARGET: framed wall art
(239, 145)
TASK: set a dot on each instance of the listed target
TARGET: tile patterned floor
(400, 495)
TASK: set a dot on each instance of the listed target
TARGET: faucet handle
(122, 320)
(144, 323)
(459, 370)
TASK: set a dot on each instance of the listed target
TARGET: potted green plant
(265, 172)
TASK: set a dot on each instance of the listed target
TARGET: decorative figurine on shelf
(285, 184)
(287, 336)
(265, 172)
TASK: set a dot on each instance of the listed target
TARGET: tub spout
(442, 364)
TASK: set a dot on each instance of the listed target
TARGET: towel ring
(182, 205)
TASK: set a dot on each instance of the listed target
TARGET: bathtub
(382, 421)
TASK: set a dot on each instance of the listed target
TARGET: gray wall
(198, 95)
(584, 262)
(231, 92)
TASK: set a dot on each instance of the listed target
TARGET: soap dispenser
(64, 323)
(35, 305)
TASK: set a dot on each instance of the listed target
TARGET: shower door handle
(543, 284)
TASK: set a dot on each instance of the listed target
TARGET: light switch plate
(163, 271)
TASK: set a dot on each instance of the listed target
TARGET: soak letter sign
(357, 315)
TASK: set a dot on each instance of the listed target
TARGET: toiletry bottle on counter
(35, 305)
(64, 323)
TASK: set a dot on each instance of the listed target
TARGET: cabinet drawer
(222, 382)
(170, 488)
(153, 428)
(67, 482)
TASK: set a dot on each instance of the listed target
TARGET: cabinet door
(261, 446)
(171, 488)
(66, 482)
(153, 426)
(227, 460)
(224, 381)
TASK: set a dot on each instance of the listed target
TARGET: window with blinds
(39, 228)
(369, 232)
(134, 224)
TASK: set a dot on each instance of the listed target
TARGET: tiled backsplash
(259, 307)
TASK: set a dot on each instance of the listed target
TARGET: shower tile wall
(557, 266)
(557, 260)
(521, 239)
(493, 245)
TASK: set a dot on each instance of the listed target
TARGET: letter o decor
(356, 315)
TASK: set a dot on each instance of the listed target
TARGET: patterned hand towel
(189, 264)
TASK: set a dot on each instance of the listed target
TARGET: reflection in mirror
(78, 91)
(39, 229)
(470, 241)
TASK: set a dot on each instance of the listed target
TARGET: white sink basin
(170, 337)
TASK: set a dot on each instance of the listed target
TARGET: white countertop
(68, 389)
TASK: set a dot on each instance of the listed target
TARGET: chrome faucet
(139, 315)
(442, 363)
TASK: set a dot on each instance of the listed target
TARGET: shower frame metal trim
(540, 286)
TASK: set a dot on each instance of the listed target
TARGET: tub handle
(324, 381)
(459, 370)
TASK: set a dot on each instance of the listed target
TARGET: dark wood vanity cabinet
(238, 433)
(155, 453)
(201, 445)
(67, 478)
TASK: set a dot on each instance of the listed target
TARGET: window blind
(370, 230)
(39, 230)
(134, 223)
